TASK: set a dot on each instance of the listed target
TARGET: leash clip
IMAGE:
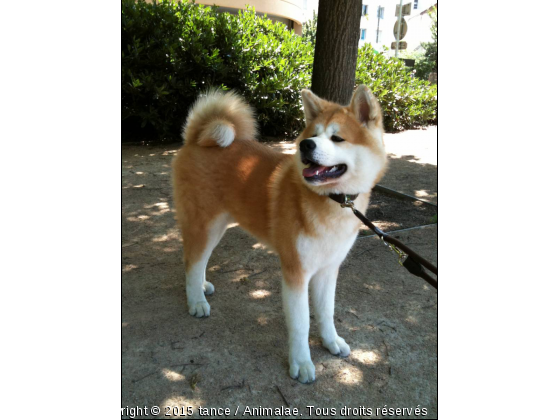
(402, 255)
(347, 203)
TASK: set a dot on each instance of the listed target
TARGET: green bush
(173, 51)
(407, 102)
(428, 63)
(426, 59)
(309, 30)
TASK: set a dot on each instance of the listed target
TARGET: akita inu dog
(222, 175)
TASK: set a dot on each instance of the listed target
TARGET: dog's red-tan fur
(258, 186)
(221, 170)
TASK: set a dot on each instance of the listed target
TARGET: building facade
(379, 18)
(420, 26)
(289, 12)
(376, 25)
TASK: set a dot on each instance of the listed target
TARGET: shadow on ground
(238, 356)
(411, 177)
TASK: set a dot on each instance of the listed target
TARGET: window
(364, 9)
(380, 12)
(363, 36)
(379, 33)
(415, 4)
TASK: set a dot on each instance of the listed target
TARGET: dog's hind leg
(199, 240)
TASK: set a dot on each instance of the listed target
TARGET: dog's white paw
(208, 288)
(199, 309)
(338, 347)
(303, 372)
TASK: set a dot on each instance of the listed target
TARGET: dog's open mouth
(315, 172)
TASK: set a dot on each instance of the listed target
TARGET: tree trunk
(336, 49)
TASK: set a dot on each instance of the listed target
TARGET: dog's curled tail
(217, 118)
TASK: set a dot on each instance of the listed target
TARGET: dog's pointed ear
(365, 107)
(312, 105)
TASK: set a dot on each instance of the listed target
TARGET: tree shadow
(406, 174)
(239, 354)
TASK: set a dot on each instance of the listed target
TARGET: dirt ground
(237, 357)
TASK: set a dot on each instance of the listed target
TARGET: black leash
(409, 259)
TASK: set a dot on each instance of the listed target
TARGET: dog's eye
(337, 139)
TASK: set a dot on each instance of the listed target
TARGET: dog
(222, 175)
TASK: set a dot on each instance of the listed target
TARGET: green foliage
(406, 101)
(412, 54)
(309, 30)
(427, 62)
(173, 51)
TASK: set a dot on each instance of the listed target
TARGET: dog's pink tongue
(314, 170)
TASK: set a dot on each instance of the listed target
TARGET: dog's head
(341, 149)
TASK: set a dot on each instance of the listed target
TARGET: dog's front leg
(296, 307)
(323, 286)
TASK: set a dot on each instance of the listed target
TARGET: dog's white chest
(328, 247)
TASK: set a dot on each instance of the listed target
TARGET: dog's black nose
(307, 145)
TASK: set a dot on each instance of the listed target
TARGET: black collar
(343, 198)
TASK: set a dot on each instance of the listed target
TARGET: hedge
(407, 102)
(171, 52)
